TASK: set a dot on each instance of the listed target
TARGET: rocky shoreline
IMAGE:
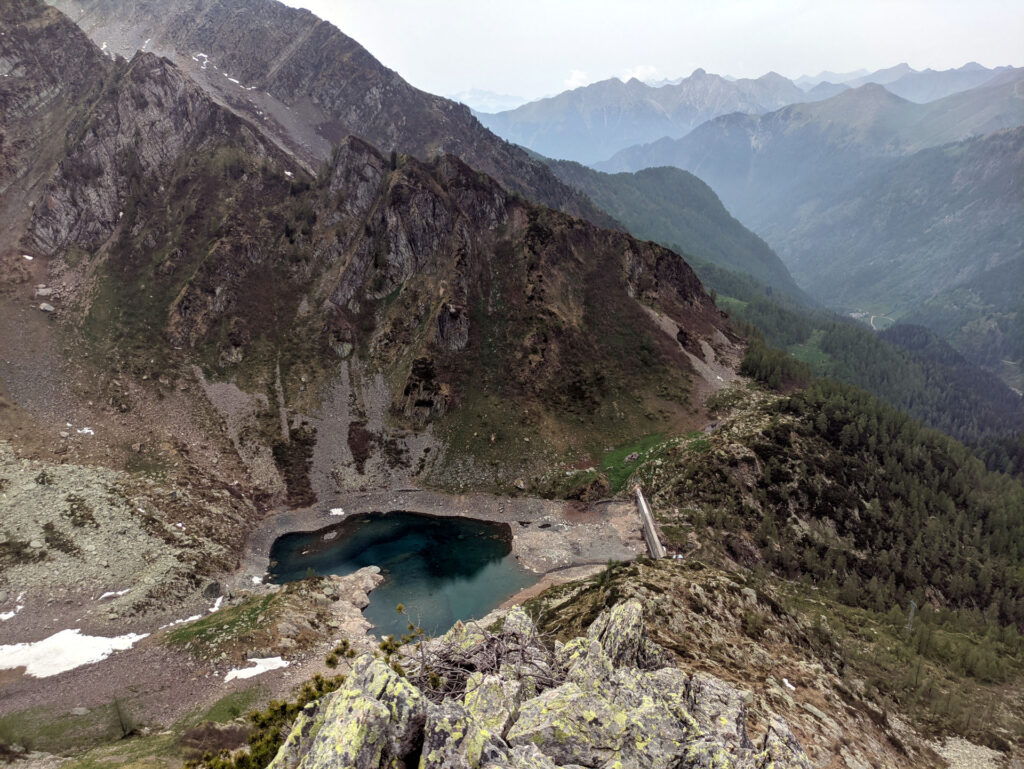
(547, 536)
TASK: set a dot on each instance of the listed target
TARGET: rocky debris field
(263, 640)
(500, 698)
(98, 546)
(284, 620)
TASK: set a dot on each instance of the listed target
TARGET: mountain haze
(591, 123)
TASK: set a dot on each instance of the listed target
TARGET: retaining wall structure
(650, 532)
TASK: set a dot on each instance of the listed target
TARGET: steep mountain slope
(440, 304)
(307, 85)
(673, 207)
(984, 318)
(915, 227)
(817, 488)
(591, 123)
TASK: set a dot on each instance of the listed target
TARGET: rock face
(608, 700)
(308, 85)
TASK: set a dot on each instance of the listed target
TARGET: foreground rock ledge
(501, 699)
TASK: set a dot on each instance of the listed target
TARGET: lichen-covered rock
(518, 624)
(453, 739)
(523, 757)
(623, 635)
(599, 705)
(375, 719)
(585, 662)
(718, 709)
(571, 725)
(296, 745)
(781, 749)
(492, 701)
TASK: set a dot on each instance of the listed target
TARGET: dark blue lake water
(440, 569)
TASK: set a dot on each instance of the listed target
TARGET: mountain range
(590, 124)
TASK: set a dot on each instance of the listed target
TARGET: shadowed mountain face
(307, 85)
(591, 123)
(184, 235)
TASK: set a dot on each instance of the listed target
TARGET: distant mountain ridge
(589, 124)
(873, 201)
(758, 163)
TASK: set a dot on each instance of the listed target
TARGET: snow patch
(26, 256)
(85, 431)
(336, 510)
(788, 685)
(63, 651)
(114, 594)
(260, 665)
(257, 580)
(193, 618)
(216, 604)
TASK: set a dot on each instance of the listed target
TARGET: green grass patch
(810, 352)
(730, 304)
(698, 443)
(208, 633)
(154, 751)
(55, 730)
(617, 469)
(231, 706)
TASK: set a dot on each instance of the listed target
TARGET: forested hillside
(672, 206)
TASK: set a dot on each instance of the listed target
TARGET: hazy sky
(533, 48)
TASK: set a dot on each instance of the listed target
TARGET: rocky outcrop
(608, 700)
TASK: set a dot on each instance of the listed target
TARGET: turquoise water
(440, 569)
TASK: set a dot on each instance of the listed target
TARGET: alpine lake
(440, 569)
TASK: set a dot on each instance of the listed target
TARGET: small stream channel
(442, 569)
